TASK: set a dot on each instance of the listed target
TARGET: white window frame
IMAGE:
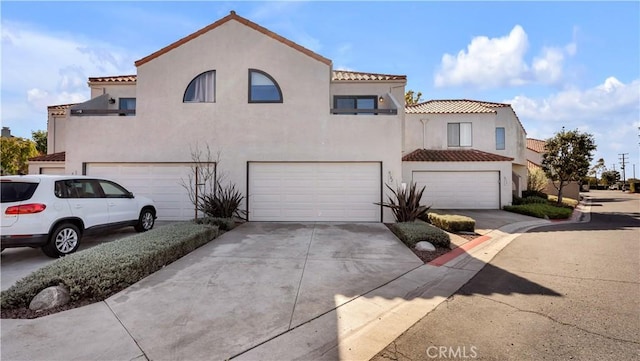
(459, 134)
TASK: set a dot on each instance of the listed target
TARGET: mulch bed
(427, 256)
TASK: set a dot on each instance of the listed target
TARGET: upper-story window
(128, 105)
(355, 104)
(500, 139)
(263, 88)
(202, 89)
(459, 134)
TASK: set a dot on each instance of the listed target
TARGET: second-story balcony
(105, 105)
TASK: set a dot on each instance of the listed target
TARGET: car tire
(146, 220)
(64, 240)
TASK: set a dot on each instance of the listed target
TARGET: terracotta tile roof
(55, 157)
(531, 165)
(453, 106)
(234, 16)
(536, 145)
(336, 76)
(339, 75)
(458, 155)
(60, 109)
(114, 79)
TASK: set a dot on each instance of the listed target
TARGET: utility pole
(624, 178)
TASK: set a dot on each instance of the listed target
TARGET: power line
(622, 161)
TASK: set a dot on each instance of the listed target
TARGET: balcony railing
(81, 112)
(365, 111)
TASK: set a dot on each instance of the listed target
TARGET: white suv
(54, 212)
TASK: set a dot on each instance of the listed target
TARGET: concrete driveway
(229, 296)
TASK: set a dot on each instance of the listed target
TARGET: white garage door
(462, 190)
(158, 181)
(315, 192)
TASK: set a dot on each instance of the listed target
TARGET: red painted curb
(442, 260)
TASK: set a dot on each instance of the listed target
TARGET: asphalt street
(560, 292)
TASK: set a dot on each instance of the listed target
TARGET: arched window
(202, 88)
(263, 88)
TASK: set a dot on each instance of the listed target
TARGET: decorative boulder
(425, 246)
(50, 297)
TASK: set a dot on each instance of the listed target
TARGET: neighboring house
(469, 154)
(304, 142)
(535, 150)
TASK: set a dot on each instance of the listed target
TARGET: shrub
(99, 272)
(533, 193)
(413, 232)
(452, 223)
(534, 200)
(536, 181)
(224, 224)
(406, 205)
(541, 210)
(224, 202)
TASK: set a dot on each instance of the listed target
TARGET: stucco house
(304, 142)
(535, 150)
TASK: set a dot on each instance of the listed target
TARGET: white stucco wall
(56, 133)
(483, 129)
(299, 129)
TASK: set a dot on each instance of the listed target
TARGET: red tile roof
(339, 75)
(458, 155)
(536, 145)
(234, 16)
(531, 165)
(114, 79)
(60, 109)
(55, 157)
(453, 106)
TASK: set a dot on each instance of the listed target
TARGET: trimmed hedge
(99, 272)
(452, 223)
(413, 232)
(225, 224)
(541, 210)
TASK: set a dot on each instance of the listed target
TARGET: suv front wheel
(146, 220)
(64, 240)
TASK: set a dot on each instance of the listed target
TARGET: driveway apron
(255, 283)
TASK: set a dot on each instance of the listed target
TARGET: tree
(16, 152)
(598, 168)
(40, 138)
(537, 180)
(410, 97)
(610, 177)
(567, 157)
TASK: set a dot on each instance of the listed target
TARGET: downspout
(424, 133)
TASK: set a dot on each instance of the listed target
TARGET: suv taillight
(26, 208)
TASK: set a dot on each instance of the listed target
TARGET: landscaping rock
(50, 297)
(425, 246)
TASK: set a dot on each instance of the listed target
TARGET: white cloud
(610, 111)
(41, 68)
(495, 62)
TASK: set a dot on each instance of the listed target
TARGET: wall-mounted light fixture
(381, 99)
(112, 101)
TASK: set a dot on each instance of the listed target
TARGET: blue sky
(571, 64)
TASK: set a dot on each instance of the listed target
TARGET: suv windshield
(17, 191)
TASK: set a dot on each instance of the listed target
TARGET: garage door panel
(314, 191)
(460, 189)
(158, 181)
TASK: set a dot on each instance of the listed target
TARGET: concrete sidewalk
(356, 327)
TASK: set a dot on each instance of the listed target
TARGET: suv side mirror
(130, 195)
